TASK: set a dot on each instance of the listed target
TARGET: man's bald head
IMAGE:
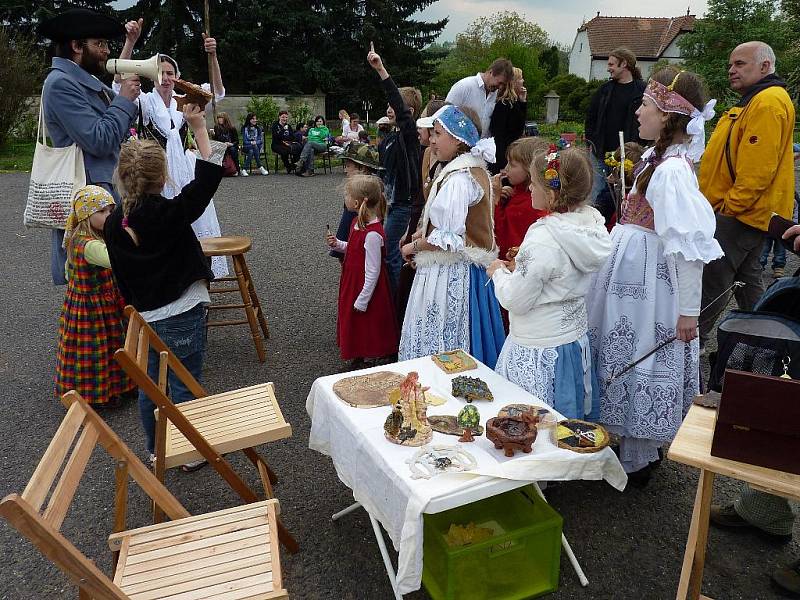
(749, 63)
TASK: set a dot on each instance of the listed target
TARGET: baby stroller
(765, 340)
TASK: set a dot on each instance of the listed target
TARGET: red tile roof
(646, 37)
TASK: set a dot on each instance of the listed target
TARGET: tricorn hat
(363, 154)
(79, 24)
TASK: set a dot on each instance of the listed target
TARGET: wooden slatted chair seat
(228, 554)
(209, 426)
(230, 421)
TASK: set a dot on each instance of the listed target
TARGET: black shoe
(640, 479)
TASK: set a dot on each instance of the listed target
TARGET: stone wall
(236, 105)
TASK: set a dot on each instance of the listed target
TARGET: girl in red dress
(366, 326)
(513, 210)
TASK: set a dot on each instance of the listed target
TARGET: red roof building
(650, 38)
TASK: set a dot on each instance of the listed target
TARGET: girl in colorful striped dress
(90, 328)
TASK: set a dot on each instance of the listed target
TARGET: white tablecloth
(375, 468)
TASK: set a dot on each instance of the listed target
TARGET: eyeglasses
(102, 44)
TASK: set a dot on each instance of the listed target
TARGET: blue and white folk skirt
(451, 307)
(561, 377)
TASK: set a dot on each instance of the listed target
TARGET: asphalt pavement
(630, 544)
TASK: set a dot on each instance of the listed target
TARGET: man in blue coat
(78, 107)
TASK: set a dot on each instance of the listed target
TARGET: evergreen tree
(23, 16)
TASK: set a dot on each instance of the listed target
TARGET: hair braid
(142, 169)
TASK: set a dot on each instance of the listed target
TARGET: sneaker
(244, 173)
(263, 171)
(777, 272)
(788, 577)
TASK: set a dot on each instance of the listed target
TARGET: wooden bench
(227, 554)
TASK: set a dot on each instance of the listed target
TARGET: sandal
(193, 466)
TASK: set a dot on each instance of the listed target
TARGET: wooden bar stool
(235, 247)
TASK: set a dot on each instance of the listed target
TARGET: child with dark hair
(648, 293)
(252, 142)
(318, 135)
(400, 157)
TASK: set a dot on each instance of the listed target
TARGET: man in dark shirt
(613, 109)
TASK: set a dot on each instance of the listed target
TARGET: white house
(649, 38)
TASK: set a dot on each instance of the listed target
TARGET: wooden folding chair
(209, 426)
(229, 554)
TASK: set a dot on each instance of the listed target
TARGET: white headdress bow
(485, 149)
(697, 131)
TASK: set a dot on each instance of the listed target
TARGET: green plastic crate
(521, 560)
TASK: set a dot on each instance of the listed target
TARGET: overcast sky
(560, 19)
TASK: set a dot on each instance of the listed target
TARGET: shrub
(265, 108)
(299, 110)
(21, 69)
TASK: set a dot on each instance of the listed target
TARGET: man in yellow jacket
(747, 173)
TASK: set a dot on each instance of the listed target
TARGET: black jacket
(506, 126)
(281, 133)
(168, 258)
(401, 151)
(595, 118)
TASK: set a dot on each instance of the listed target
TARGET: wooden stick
(210, 63)
(621, 162)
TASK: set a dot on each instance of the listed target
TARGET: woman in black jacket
(508, 119)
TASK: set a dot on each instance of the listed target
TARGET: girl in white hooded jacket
(547, 351)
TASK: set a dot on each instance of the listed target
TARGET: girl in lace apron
(648, 292)
(543, 287)
(450, 305)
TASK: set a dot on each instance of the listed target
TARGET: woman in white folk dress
(649, 290)
(160, 119)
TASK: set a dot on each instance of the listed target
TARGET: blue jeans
(307, 155)
(778, 254)
(251, 152)
(394, 226)
(185, 336)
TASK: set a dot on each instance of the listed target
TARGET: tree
(506, 34)
(21, 69)
(22, 16)
(727, 24)
(791, 12)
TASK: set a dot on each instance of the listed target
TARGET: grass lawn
(16, 156)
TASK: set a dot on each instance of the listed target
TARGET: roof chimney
(598, 13)
(688, 8)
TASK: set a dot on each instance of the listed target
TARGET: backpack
(765, 340)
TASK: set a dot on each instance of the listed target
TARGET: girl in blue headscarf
(452, 303)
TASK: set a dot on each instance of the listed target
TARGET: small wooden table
(692, 446)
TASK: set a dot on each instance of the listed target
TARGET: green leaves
(729, 23)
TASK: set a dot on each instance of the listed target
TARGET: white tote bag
(57, 173)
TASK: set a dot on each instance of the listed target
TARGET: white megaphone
(150, 68)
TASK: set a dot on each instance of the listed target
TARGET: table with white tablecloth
(377, 472)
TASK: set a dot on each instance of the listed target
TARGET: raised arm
(210, 45)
